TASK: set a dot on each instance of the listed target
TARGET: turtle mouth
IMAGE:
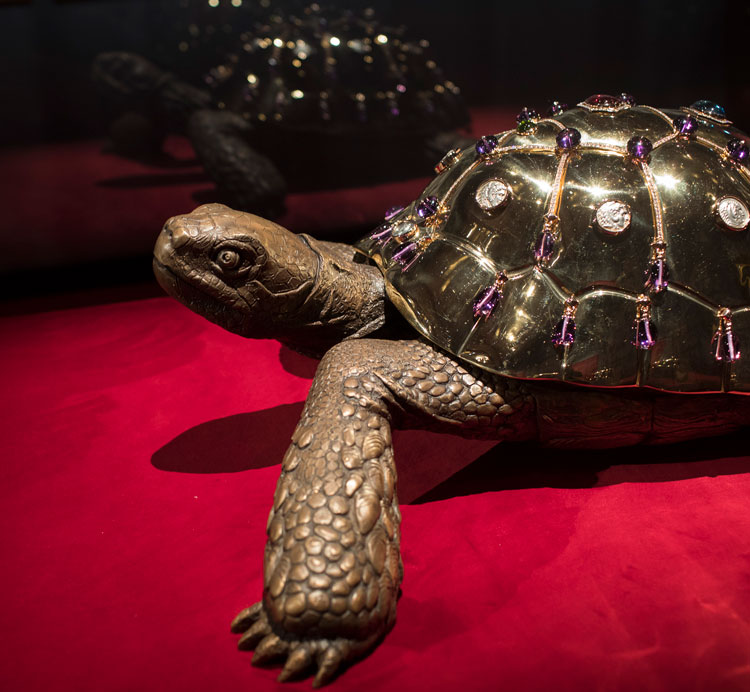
(198, 299)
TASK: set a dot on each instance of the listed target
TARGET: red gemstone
(604, 101)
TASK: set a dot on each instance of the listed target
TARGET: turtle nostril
(176, 233)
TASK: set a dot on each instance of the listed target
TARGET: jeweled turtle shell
(606, 246)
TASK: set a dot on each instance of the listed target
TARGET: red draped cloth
(140, 447)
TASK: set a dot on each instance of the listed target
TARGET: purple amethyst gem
(486, 301)
(527, 114)
(727, 347)
(544, 246)
(657, 276)
(639, 147)
(564, 333)
(738, 151)
(686, 125)
(568, 138)
(393, 212)
(644, 336)
(556, 108)
(382, 233)
(427, 207)
(486, 144)
(405, 254)
(627, 98)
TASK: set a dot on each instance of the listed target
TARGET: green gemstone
(526, 127)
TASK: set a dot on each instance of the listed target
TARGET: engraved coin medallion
(492, 194)
(732, 213)
(613, 217)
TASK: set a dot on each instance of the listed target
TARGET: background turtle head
(238, 270)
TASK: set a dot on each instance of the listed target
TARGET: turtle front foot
(299, 654)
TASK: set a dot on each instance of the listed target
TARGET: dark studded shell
(320, 69)
(572, 298)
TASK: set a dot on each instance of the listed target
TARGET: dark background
(503, 53)
(665, 52)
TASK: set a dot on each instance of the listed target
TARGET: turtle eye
(227, 259)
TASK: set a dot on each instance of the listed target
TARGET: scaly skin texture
(332, 564)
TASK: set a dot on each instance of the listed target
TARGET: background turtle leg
(248, 180)
(332, 563)
(144, 102)
(438, 145)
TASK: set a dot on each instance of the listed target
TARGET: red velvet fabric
(140, 450)
(72, 203)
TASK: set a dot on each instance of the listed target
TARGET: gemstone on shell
(486, 145)
(639, 147)
(492, 194)
(726, 345)
(403, 228)
(544, 246)
(628, 99)
(568, 138)
(732, 213)
(382, 233)
(657, 276)
(709, 108)
(527, 114)
(556, 108)
(604, 103)
(738, 151)
(393, 211)
(486, 301)
(447, 161)
(427, 207)
(564, 333)
(613, 217)
(526, 127)
(686, 125)
(405, 254)
(644, 334)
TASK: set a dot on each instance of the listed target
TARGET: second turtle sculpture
(566, 282)
(277, 97)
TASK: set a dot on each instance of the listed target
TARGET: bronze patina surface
(551, 278)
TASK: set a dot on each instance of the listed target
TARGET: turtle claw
(257, 631)
(245, 618)
(329, 661)
(299, 660)
(269, 648)
(330, 655)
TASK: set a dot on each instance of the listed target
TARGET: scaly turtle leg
(332, 562)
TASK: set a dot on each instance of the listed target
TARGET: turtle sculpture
(568, 282)
(278, 96)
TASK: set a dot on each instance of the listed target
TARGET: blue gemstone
(709, 108)
(564, 333)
